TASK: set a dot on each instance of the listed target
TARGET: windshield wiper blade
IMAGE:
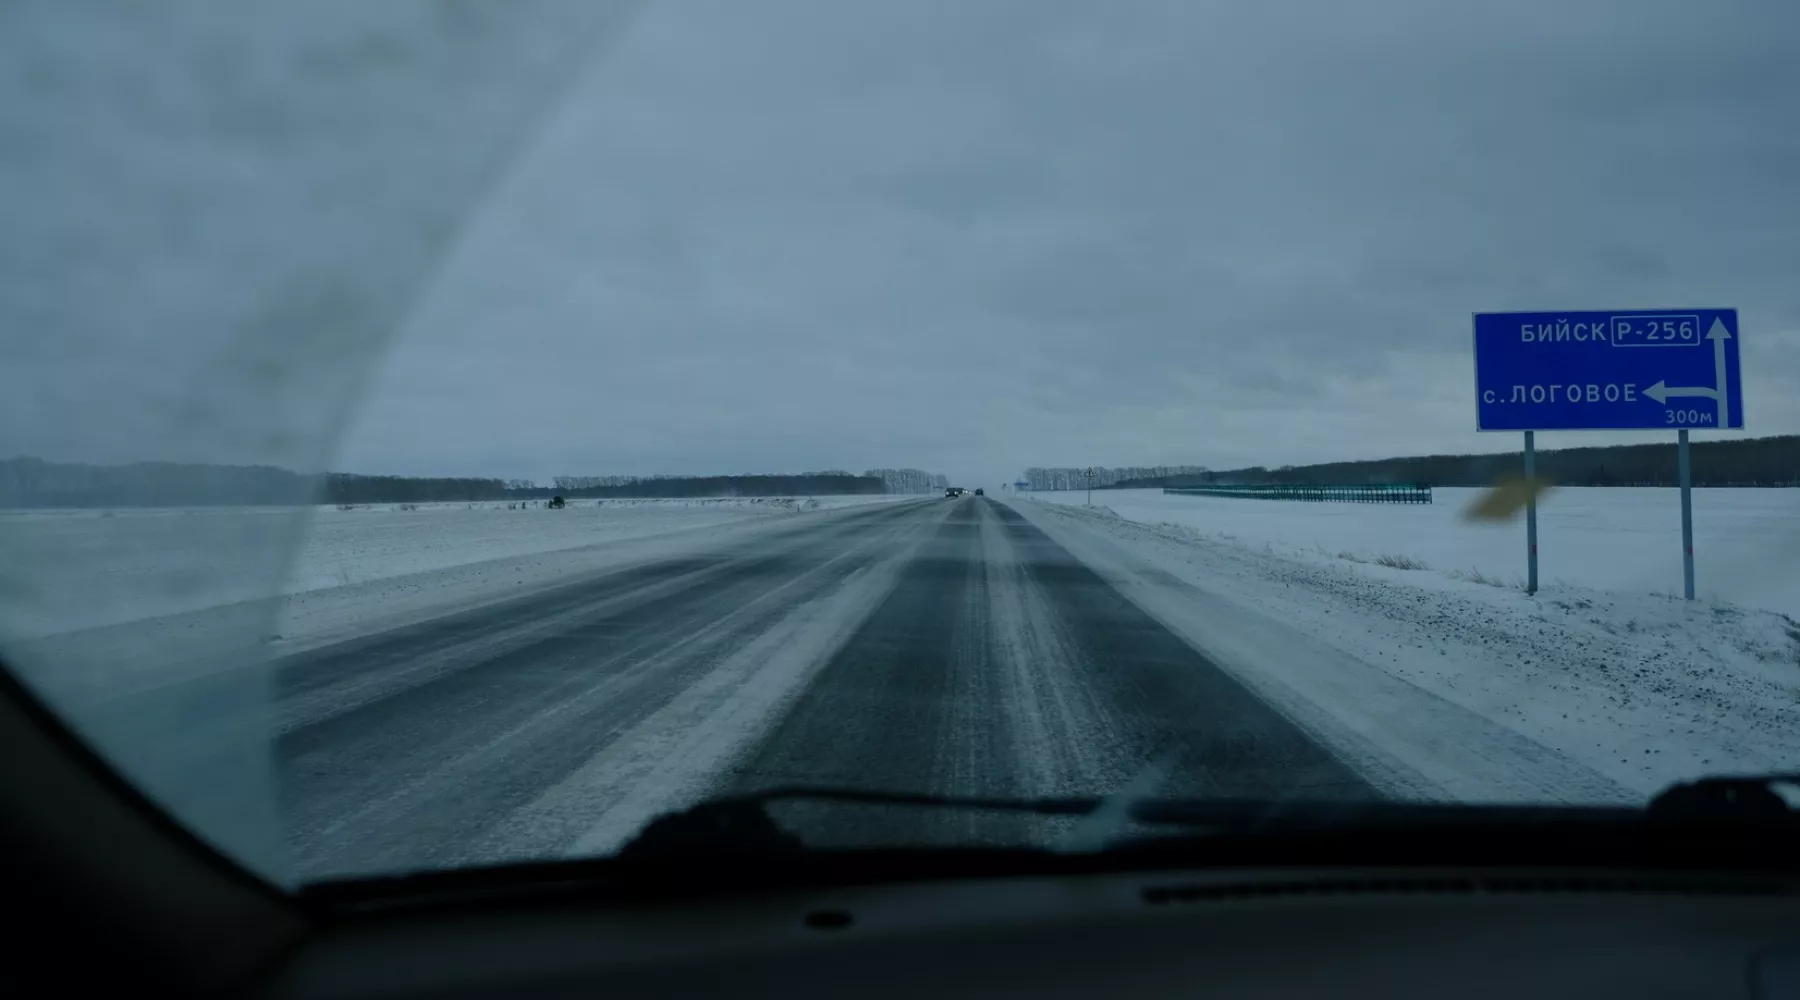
(1724, 797)
(1732, 822)
(741, 823)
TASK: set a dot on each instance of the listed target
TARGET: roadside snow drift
(1746, 541)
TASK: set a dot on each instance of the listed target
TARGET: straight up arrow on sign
(1661, 391)
(1719, 335)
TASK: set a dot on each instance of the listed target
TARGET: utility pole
(1090, 484)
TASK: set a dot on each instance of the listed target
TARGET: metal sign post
(1090, 486)
(1687, 513)
(1630, 369)
(1531, 512)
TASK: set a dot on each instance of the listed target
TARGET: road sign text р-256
(1635, 369)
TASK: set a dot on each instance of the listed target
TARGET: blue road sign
(1632, 369)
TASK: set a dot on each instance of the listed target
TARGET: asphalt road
(942, 646)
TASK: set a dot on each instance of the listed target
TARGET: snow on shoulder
(1747, 541)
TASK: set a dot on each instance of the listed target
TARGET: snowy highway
(945, 646)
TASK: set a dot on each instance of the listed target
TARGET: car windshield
(438, 435)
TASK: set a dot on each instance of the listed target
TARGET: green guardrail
(1365, 493)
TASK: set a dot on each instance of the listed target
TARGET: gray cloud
(977, 236)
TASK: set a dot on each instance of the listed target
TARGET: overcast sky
(968, 236)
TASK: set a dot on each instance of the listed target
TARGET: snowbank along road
(945, 646)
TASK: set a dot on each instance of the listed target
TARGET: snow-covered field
(73, 569)
(1746, 541)
(1455, 687)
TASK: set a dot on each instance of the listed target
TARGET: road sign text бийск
(1631, 369)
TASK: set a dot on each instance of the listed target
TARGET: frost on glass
(216, 217)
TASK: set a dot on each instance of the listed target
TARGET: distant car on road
(953, 492)
(978, 492)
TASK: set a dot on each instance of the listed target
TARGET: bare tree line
(1768, 461)
(908, 480)
(34, 482)
(829, 483)
(1077, 478)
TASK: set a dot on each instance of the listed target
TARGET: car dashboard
(1264, 933)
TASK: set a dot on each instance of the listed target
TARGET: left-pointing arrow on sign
(1661, 392)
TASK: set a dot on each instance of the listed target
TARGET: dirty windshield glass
(439, 434)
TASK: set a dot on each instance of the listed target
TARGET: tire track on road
(1408, 741)
(911, 702)
(414, 775)
(1001, 665)
(326, 673)
(1163, 701)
